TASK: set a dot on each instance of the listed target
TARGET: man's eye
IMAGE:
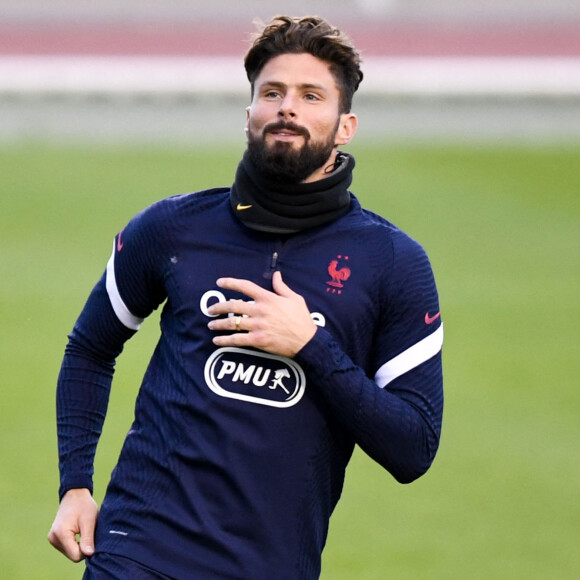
(311, 97)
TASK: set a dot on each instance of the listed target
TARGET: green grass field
(501, 225)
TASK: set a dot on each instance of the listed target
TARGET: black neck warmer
(270, 206)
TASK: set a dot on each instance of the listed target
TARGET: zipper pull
(274, 261)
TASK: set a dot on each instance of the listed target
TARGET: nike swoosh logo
(241, 207)
(431, 319)
(119, 242)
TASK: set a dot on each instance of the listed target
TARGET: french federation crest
(339, 274)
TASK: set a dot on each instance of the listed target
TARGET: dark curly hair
(312, 35)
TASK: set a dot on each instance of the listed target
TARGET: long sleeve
(394, 412)
(394, 429)
(127, 293)
(83, 387)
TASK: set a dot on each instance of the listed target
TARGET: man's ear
(346, 128)
(247, 119)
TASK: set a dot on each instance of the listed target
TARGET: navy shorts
(103, 566)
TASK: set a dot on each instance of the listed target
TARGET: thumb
(87, 533)
(279, 286)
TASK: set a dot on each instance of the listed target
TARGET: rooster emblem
(338, 275)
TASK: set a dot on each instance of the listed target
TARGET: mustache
(281, 126)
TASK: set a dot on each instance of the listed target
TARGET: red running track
(520, 40)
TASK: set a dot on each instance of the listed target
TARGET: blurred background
(470, 69)
(469, 140)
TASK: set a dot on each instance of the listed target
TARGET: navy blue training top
(236, 457)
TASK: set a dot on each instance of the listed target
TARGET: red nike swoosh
(119, 242)
(431, 319)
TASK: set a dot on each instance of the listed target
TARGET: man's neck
(324, 170)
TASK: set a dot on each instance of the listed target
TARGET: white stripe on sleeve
(123, 313)
(410, 358)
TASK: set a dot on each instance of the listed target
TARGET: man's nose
(287, 108)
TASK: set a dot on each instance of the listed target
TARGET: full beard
(281, 161)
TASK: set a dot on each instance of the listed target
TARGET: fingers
(76, 516)
(66, 544)
(237, 310)
(65, 541)
(243, 286)
(232, 307)
(275, 321)
(253, 291)
(237, 325)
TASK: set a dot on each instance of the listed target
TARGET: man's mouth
(286, 132)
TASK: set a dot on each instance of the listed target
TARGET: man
(295, 325)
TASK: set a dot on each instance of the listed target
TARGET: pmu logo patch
(255, 377)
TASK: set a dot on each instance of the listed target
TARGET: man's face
(293, 123)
